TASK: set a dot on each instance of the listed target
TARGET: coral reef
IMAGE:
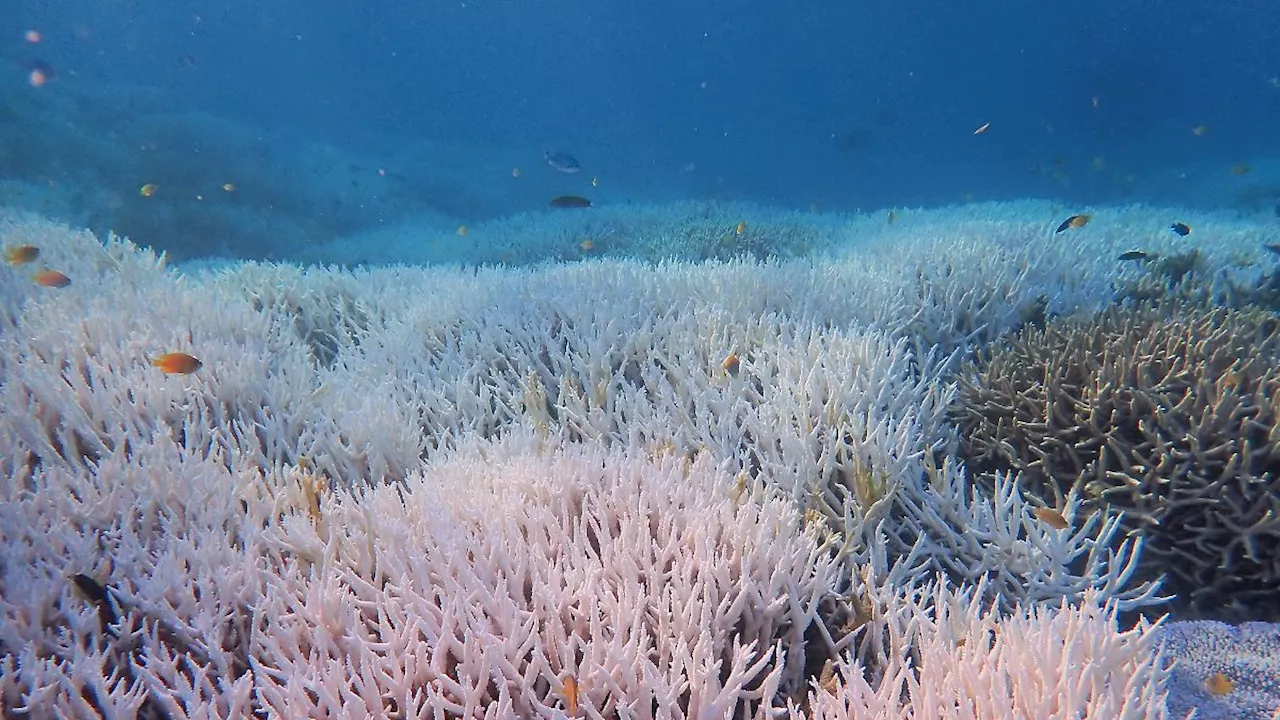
(950, 658)
(1246, 655)
(424, 463)
(1167, 414)
(473, 589)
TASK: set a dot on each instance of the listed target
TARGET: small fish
(39, 73)
(1200, 130)
(1075, 221)
(570, 201)
(1219, 684)
(228, 187)
(515, 172)
(893, 216)
(97, 594)
(571, 695)
(1051, 517)
(1241, 169)
(31, 36)
(1273, 247)
(1096, 102)
(51, 279)
(462, 231)
(741, 228)
(595, 182)
(982, 128)
(176, 363)
(1182, 229)
(731, 363)
(562, 161)
(1133, 255)
(21, 254)
(587, 245)
(148, 190)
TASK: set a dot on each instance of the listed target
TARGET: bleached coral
(473, 588)
(950, 658)
(241, 520)
(487, 581)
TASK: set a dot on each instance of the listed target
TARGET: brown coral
(1168, 414)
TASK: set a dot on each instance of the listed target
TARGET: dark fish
(1277, 209)
(1075, 221)
(1273, 247)
(1133, 255)
(570, 201)
(562, 161)
(42, 67)
(1182, 229)
(97, 594)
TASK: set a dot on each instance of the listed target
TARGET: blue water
(830, 106)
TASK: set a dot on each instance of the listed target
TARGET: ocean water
(327, 167)
(842, 107)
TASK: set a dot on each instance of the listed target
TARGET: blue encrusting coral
(1249, 656)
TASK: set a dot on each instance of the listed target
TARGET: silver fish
(562, 161)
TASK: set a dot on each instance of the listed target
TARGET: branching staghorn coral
(949, 657)
(473, 588)
(212, 508)
(488, 580)
(1168, 415)
(944, 521)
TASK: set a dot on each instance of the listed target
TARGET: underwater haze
(334, 119)
(537, 359)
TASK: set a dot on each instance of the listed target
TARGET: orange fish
(462, 231)
(571, 695)
(1219, 684)
(1241, 169)
(51, 279)
(741, 228)
(148, 190)
(587, 245)
(21, 254)
(1075, 221)
(177, 363)
(731, 363)
(982, 128)
(1051, 517)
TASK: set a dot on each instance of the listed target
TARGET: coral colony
(956, 465)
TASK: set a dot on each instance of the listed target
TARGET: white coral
(949, 658)
(315, 517)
